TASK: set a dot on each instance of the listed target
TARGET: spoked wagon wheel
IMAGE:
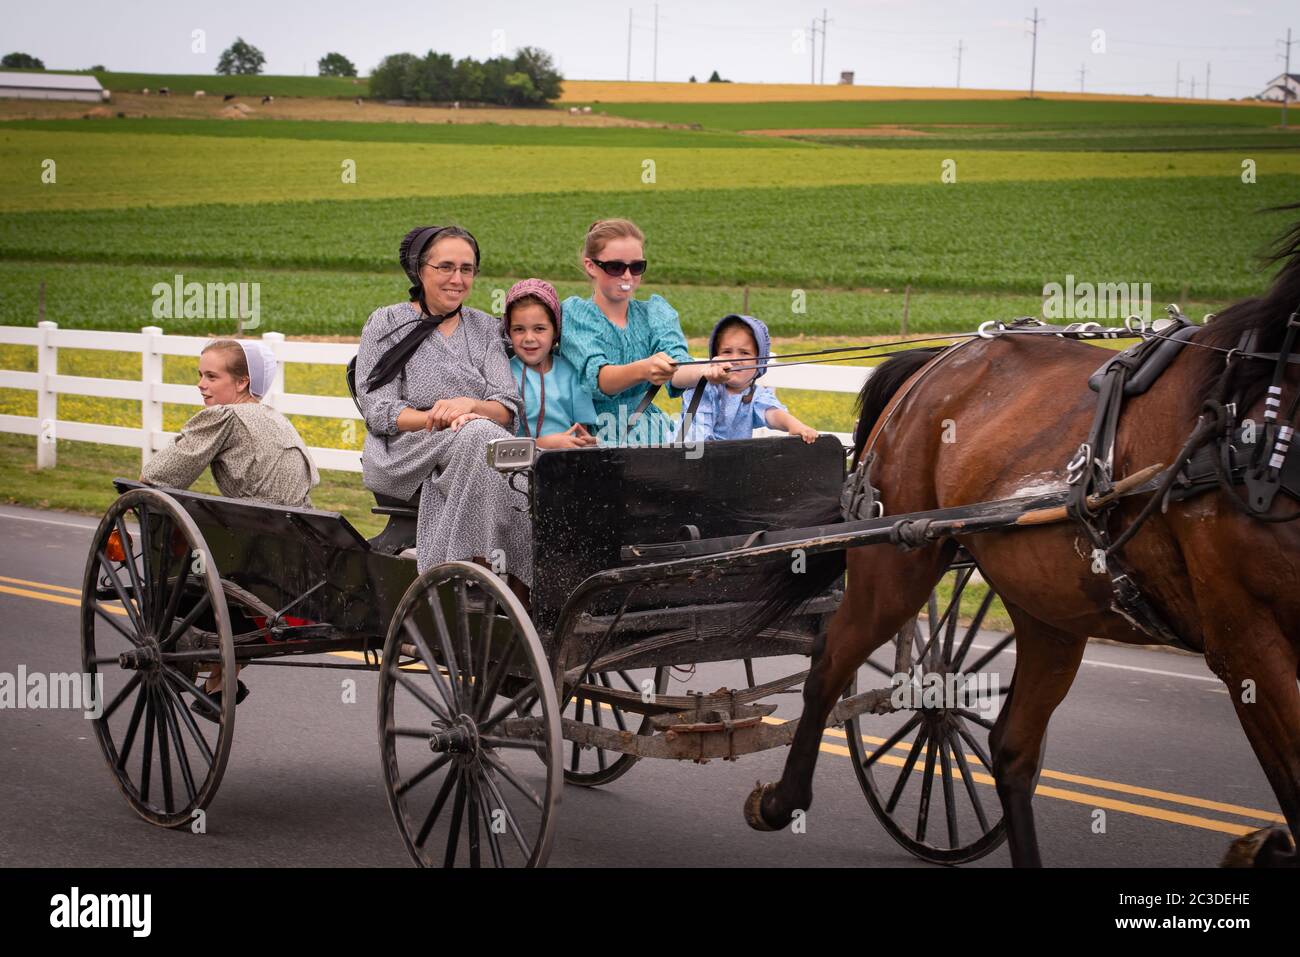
(592, 767)
(469, 724)
(153, 616)
(925, 769)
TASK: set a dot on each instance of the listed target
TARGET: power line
(1033, 62)
(824, 22)
(654, 70)
(1286, 74)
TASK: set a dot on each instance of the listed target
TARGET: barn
(51, 86)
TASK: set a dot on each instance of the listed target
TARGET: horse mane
(884, 381)
(1265, 315)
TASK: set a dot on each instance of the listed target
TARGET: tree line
(529, 78)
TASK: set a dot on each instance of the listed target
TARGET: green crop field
(1023, 112)
(480, 134)
(1196, 232)
(96, 170)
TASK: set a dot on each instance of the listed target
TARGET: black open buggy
(645, 559)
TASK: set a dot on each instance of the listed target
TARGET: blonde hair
(602, 231)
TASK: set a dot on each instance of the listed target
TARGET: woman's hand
(447, 411)
(806, 432)
(658, 368)
(460, 420)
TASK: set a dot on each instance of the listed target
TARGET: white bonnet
(262, 364)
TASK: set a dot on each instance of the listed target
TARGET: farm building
(51, 86)
(1283, 86)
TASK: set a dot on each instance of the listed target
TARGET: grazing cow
(228, 97)
(267, 99)
(146, 91)
(164, 91)
(357, 101)
(197, 94)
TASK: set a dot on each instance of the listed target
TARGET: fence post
(275, 341)
(47, 400)
(151, 374)
(907, 305)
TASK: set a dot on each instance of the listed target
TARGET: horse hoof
(754, 808)
(1267, 847)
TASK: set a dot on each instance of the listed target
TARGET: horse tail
(788, 586)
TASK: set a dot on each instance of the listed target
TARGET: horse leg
(1259, 668)
(1047, 660)
(883, 591)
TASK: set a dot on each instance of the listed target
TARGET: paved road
(1147, 736)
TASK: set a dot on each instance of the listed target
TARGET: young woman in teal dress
(620, 345)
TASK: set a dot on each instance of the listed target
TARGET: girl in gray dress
(434, 385)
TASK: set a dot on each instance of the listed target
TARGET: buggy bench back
(280, 553)
(588, 504)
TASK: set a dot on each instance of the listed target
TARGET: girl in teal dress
(557, 407)
(621, 346)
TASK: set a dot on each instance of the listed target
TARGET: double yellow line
(62, 595)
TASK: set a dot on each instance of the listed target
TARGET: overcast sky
(888, 42)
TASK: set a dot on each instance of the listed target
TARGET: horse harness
(1222, 452)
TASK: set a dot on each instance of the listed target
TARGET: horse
(993, 418)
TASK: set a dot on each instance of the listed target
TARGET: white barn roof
(50, 81)
(50, 86)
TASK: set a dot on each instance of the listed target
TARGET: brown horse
(991, 418)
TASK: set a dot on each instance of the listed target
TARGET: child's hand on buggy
(574, 437)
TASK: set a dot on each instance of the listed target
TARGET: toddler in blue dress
(734, 408)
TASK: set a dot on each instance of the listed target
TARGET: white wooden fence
(152, 392)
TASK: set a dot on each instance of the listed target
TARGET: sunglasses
(615, 267)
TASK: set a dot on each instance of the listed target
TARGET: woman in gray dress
(434, 385)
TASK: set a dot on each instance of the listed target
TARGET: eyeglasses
(616, 267)
(446, 269)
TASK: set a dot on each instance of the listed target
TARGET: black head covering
(393, 362)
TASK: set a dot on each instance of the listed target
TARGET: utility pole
(824, 22)
(1178, 80)
(1207, 81)
(1286, 74)
(1082, 70)
(959, 48)
(1033, 62)
(812, 67)
(654, 71)
(1192, 95)
(629, 44)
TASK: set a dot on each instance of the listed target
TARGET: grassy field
(1007, 112)
(213, 85)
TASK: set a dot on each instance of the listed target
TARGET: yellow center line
(1078, 797)
(22, 581)
(1103, 784)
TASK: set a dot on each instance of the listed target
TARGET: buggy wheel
(153, 616)
(922, 767)
(469, 725)
(591, 767)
